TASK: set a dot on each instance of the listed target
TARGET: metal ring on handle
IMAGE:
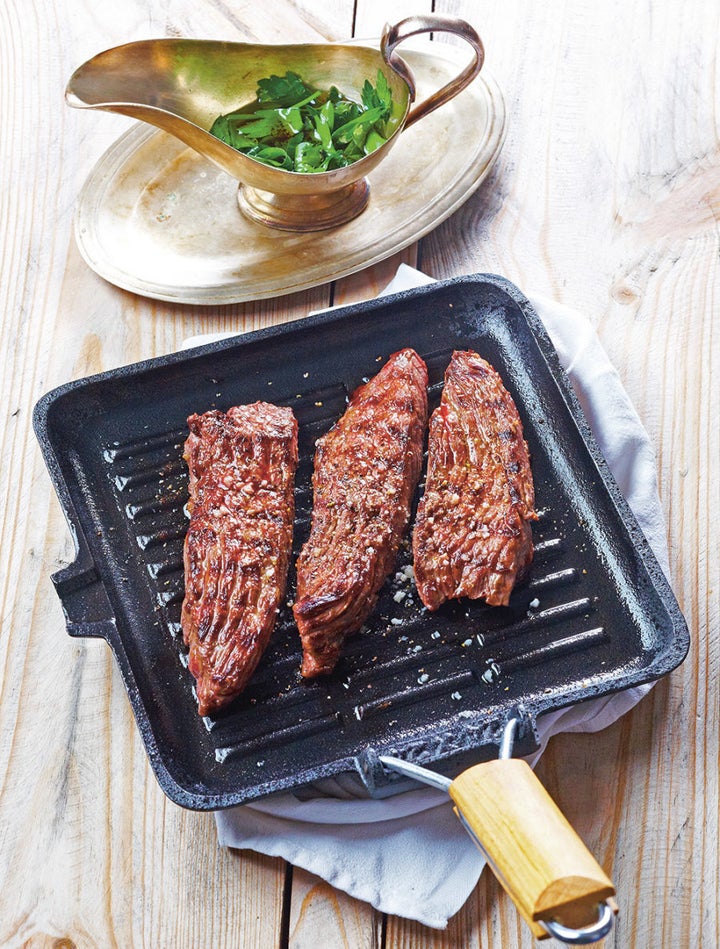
(582, 937)
(411, 26)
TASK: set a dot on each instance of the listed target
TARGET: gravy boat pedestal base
(304, 212)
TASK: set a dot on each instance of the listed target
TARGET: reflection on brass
(181, 86)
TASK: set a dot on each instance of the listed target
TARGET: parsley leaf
(285, 90)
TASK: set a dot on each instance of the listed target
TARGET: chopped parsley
(296, 127)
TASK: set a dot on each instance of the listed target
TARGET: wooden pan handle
(538, 858)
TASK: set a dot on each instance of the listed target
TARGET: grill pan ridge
(596, 614)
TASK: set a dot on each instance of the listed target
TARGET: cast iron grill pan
(595, 615)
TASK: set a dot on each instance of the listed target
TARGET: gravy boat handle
(431, 23)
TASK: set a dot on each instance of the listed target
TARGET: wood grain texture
(321, 914)
(606, 197)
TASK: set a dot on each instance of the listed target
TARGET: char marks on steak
(242, 470)
(365, 473)
(472, 535)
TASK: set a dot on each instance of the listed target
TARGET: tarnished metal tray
(156, 218)
(596, 614)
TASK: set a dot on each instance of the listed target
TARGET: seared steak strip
(242, 470)
(366, 470)
(472, 536)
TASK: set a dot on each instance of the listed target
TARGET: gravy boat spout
(183, 85)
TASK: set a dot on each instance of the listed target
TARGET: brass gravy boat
(182, 85)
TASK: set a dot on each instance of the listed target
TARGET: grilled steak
(366, 470)
(242, 470)
(472, 536)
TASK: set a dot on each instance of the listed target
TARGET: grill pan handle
(553, 879)
(548, 872)
(84, 600)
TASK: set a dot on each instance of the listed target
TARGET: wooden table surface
(606, 197)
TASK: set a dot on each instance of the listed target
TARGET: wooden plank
(373, 280)
(315, 907)
(648, 281)
(318, 910)
(486, 919)
(370, 18)
(372, 15)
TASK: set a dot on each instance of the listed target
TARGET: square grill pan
(596, 614)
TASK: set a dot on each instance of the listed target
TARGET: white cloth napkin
(408, 855)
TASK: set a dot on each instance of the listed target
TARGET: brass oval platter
(156, 218)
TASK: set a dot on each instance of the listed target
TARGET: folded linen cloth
(408, 855)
